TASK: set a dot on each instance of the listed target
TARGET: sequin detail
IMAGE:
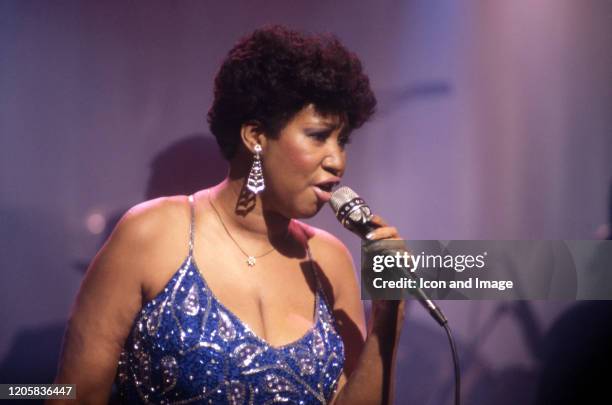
(191, 304)
(186, 347)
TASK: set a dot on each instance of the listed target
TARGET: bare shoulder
(331, 256)
(325, 243)
(142, 221)
(149, 238)
(152, 236)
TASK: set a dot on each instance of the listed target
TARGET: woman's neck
(244, 212)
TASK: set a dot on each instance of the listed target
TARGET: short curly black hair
(274, 72)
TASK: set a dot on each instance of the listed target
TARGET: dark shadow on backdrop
(186, 166)
(577, 361)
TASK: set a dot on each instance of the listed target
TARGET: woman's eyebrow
(318, 128)
(325, 124)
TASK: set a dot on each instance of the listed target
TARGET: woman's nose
(335, 160)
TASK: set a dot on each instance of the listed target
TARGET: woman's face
(303, 163)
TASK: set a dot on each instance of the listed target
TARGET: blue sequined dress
(185, 347)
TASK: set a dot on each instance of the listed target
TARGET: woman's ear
(251, 134)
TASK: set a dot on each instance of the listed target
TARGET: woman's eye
(323, 136)
(319, 136)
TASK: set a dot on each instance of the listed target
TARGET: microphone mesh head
(340, 197)
(356, 211)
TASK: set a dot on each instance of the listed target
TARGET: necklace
(251, 260)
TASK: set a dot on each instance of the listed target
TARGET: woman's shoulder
(155, 222)
(328, 251)
(332, 258)
(321, 239)
(155, 212)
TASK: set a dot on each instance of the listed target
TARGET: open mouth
(327, 187)
(324, 190)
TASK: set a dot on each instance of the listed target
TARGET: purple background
(494, 123)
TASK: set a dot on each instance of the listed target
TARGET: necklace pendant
(251, 261)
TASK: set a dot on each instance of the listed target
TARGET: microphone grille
(349, 207)
(340, 197)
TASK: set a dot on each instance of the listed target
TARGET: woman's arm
(368, 376)
(107, 302)
(372, 380)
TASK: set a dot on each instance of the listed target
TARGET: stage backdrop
(494, 122)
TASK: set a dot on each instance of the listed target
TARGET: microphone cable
(453, 347)
(354, 214)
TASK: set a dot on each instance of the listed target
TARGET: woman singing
(224, 297)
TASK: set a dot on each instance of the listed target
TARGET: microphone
(355, 215)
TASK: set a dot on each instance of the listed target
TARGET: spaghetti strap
(316, 277)
(191, 224)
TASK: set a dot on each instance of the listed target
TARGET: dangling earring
(255, 181)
